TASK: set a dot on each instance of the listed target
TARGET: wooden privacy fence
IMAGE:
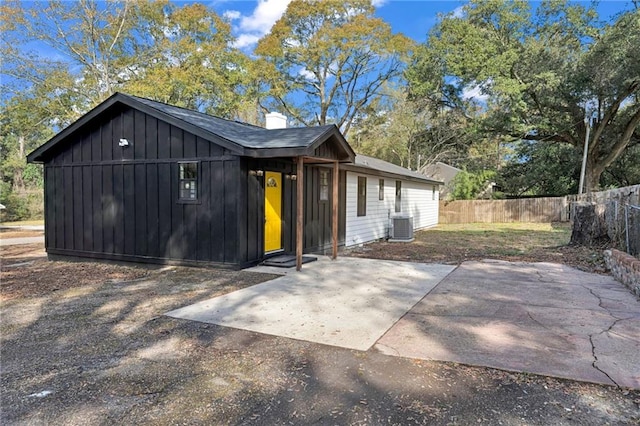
(548, 209)
(545, 209)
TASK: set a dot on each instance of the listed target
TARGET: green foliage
(401, 130)
(541, 169)
(23, 127)
(335, 55)
(179, 54)
(541, 70)
(23, 206)
(468, 186)
(625, 171)
(184, 56)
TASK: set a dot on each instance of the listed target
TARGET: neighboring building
(138, 180)
(445, 173)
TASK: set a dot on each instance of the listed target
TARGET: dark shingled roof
(244, 134)
(362, 162)
(241, 138)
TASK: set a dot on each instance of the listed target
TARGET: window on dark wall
(188, 181)
(324, 185)
(362, 196)
(381, 189)
(398, 196)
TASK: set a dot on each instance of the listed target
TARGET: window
(433, 192)
(324, 185)
(398, 196)
(381, 189)
(362, 196)
(188, 181)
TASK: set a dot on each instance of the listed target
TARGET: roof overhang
(331, 135)
(39, 155)
(382, 173)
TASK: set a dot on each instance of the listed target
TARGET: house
(445, 173)
(138, 180)
(378, 191)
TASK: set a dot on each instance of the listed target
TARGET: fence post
(626, 227)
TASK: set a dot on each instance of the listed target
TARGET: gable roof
(240, 138)
(381, 167)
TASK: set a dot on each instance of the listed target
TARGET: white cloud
(458, 12)
(232, 15)
(251, 28)
(474, 92)
(378, 3)
(307, 74)
(245, 40)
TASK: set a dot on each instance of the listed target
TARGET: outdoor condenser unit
(401, 229)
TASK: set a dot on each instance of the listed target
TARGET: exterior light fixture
(123, 142)
(256, 172)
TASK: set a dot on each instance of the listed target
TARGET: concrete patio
(541, 318)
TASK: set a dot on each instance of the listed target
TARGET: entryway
(272, 212)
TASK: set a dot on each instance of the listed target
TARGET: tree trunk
(588, 224)
(592, 178)
(18, 179)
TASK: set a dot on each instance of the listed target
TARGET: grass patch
(522, 242)
(507, 239)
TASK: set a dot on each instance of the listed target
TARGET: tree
(184, 56)
(176, 54)
(23, 126)
(541, 169)
(542, 72)
(75, 47)
(468, 186)
(330, 60)
(402, 131)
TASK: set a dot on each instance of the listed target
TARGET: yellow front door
(272, 211)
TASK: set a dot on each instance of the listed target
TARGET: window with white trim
(362, 196)
(398, 196)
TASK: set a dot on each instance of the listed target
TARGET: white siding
(416, 201)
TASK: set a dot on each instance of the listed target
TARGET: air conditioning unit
(401, 229)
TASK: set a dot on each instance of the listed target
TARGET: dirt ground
(86, 343)
(515, 242)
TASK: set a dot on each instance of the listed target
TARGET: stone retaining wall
(624, 268)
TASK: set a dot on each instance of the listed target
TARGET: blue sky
(253, 18)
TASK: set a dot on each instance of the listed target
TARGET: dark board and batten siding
(317, 214)
(105, 201)
(327, 150)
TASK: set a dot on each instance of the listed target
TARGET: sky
(254, 18)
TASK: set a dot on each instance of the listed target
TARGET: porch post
(299, 212)
(334, 220)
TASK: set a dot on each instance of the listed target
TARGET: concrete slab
(540, 318)
(347, 302)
